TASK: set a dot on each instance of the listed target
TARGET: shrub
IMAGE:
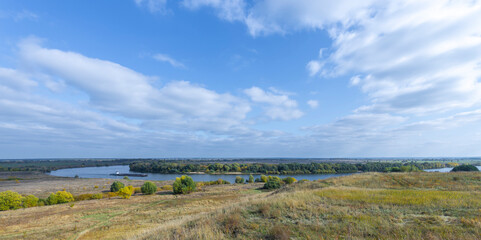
(30, 201)
(126, 178)
(10, 200)
(137, 190)
(60, 197)
(116, 186)
(251, 179)
(97, 196)
(88, 196)
(83, 197)
(273, 183)
(149, 188)
(167, 187)
(96, 186)
(239, 179)
(42, 202)
(280, 232)
(109, 194)
(264, 178)
(126, 192)
(183, 185)
(219, 181)
(465, 168)
(289, 180)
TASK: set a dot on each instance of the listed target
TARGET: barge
(129, 174)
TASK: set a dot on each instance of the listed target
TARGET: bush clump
(149, 188)
(82, 197)
(60, 197)
(116, 186)
(273, 183)
(10, 200)
(239, 179)
(126, 192)
(183, 185)
(30, 201)
(289, 180)
(251, 179)
(465, 168)
(97, 196)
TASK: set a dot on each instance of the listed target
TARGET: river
(444, 169)
(104, 172)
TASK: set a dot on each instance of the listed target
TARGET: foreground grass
(360, 206)
(364, 206)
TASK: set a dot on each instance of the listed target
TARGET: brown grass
(361, 206)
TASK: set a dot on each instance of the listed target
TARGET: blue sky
(239, 78)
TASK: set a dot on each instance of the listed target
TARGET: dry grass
(390, 206)
(361, 206)
(116, 218)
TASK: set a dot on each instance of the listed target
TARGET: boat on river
(128, 174)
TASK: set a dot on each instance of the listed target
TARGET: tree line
(282, 168)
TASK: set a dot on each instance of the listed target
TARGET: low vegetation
(126, 192)
(10, 200)
(412, 205)
(116, 186)
(361, 206)
(149, 188)
(183, 185)
(239, 179)
(60, 197)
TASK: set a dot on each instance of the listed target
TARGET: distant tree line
(282, 168)
(51, 165)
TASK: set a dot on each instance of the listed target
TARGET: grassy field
(360, 206)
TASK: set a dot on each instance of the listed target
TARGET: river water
(104, 172)
(444, 169)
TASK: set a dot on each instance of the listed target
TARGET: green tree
(183, 185)
(10, 200)
(251, 179)
(465, 168)
(148, 188)
(239, 179)
(116, 186)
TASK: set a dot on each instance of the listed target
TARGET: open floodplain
(416, 205)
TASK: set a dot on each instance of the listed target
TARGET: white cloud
(281, 16)
(313, 103)
(13, 78)
(278, 106)
(230, 10)
(166, 58)
(119, 90)
(419, 56)
(153, 5)
(314, 67)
